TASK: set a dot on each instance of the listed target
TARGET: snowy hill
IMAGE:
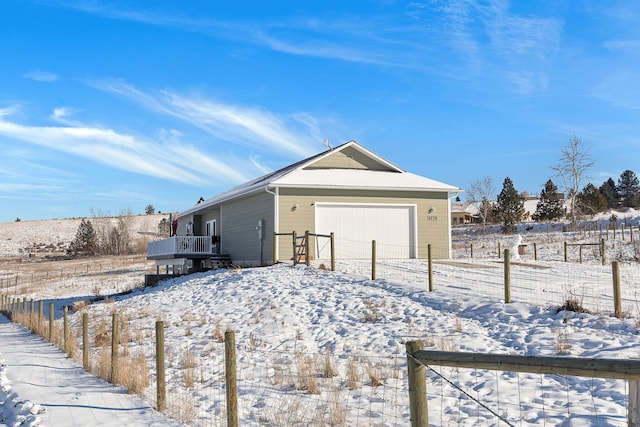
(290, 319)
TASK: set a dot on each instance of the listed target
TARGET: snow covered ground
(292, 322)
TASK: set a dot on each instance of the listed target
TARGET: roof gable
(351, 156)
(349, 165)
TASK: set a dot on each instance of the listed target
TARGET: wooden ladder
(300, 248)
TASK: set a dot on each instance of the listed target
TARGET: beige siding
(296, 213)
(239, 237)
(349, 158)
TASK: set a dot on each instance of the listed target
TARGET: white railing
(180, 245)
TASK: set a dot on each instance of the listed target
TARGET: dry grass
(182, 407)
(133, 373)
(329, 370)
(352, 381)
(372, 313)
(307, 372)
(72, 348)
(189, 363)
(562, 342)
(102, 369)
(252, 343)
(336, 412)
(375, 375)
(188, 378)
(189, 360)
(218, 332)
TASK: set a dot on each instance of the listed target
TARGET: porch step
(220, 261)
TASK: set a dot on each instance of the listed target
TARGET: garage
(392, 226)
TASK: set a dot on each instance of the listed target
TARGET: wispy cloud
(41, 76)
(348, 39)
(294, 135)
(177, 162)
(489, 39)
(623, 45)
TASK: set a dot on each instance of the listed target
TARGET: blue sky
(113, 105)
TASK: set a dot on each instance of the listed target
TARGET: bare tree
(572, 169)
(481, 192)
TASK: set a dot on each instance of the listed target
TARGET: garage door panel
(355, 226)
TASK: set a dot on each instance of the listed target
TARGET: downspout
(276, 222)
(450, 195)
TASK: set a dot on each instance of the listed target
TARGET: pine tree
(510, 207)
(591, 200)
(551, 205)
(85, 241)
(609, 191)
(629, 188)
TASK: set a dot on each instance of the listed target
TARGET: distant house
(464, 213)
(347, 190)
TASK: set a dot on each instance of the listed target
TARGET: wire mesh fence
(296, 384)
(543, 278)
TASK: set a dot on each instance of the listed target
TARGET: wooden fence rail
(418, 359)
(306, 250)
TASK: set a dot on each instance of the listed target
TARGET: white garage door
(356, 225)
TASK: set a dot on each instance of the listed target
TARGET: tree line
(571, 199)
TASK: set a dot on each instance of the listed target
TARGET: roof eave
(370, 188)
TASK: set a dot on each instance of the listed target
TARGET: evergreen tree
(629, 188)
(551, 205)
(510, 207)
(85, 241)
(609, 191)
(591, 200)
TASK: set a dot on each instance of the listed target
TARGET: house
(347, 190)
(464, 213)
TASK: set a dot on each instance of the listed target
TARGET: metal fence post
(373, 260)
(333, 253)
(275, 248)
